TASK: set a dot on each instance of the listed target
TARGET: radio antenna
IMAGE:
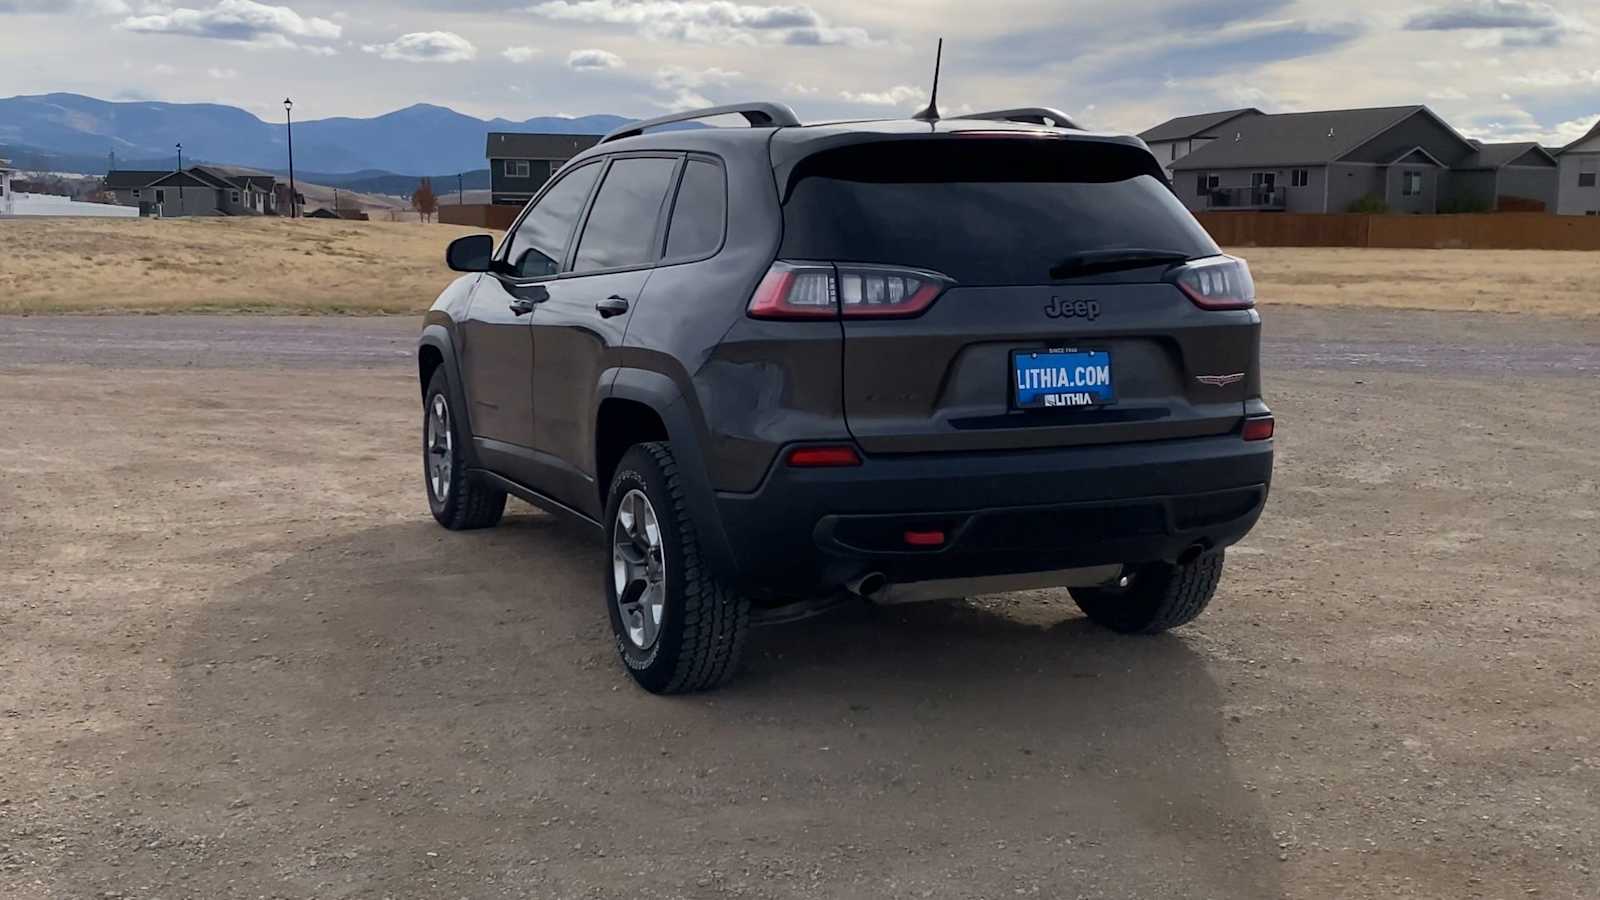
(931, 114)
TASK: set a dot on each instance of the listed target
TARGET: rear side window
(621, 230)
(541, 240)
(700, 213)
(985, 211)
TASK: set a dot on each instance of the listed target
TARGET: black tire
(1159, 596)
(703, 625)
(468, 501)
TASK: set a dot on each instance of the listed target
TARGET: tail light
(1218, 282)
(822, 290)
(1259, 428)
(825, 457)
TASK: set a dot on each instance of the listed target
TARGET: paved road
(1295, 339)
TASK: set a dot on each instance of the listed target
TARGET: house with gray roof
(1174, 139)
(519, 164)
(1578, 182)
(195, 191)
(1404, 159)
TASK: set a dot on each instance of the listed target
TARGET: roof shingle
(1294, 139)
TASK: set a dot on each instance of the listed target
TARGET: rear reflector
(824, 291)
(924, 538)
(1218, 282)
(823, 457)
(1259, 428)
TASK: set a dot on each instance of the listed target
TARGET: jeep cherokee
(899, 360)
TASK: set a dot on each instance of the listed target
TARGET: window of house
(1411, 186)
(135, 193)
(1205, 184)
(235, 195)
(541, 240)
(517, 168)
(700, 212)
(1299, 177)
(161, 196)
(1587, 169)
(621, 230)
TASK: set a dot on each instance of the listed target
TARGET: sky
(1496, 69)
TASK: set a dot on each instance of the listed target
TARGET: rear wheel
(678, 627)
(1159, 596)
(459, 499)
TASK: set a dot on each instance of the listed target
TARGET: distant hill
(74, 133)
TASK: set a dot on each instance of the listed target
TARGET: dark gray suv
(781, 365)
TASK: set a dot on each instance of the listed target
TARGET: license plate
(1061, 378)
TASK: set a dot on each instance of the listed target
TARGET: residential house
(1404, 159)
(195, 191)
(1174, 139)
(519, 164)
(1578, 188)
(5, 186)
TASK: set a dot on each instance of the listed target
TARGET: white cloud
(799, 89)
(709, 21)
(1448, 93)
(899, 95)
(683, 85)
(594, 59)
(1557, 78)
(426, 47)
(239, 21)
(1522, 127)
(222, 74)
(520, 54)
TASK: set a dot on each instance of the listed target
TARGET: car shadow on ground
(410, 711)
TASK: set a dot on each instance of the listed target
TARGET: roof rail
(758, 114)
(1037, 115)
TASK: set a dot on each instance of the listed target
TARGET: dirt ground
(238, 659)
(268, 265)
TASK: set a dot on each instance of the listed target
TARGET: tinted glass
(699, 213)
(541, 239)
(622, 226)
(983, 211)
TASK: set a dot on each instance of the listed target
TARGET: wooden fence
(479, 215)
(1485, 231)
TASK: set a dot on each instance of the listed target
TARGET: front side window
(1413, 184)
(541, 240)
(1587, 169)
(621, 230)
(1299, 178)
(700, 212)
(517, 168)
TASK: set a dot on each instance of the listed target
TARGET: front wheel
(678, 628)
(1159, 596)
(458, 498)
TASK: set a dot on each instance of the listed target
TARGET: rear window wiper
(1090, 262)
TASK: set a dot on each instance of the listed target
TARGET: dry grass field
(274, 265)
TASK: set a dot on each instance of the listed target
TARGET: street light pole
(180, 173)
(288, 117)
(461, 191)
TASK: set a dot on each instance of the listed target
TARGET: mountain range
(74, 133)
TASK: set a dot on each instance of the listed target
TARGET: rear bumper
(805, 531)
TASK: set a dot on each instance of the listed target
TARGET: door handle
(611, 306)
(526, 297)
(522, 306)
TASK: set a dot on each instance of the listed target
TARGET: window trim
(1299, 178)
(672, 207)
(1405, 183)
(513, 166)
(501, 262)
(658, 240)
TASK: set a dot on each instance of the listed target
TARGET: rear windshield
(985, 211)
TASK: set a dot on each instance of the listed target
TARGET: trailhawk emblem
(1220, 380)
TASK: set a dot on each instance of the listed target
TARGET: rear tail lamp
(814, 291)
(828, 457)
(1259, 428)
(1217, 282)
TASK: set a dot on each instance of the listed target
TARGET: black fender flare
(681, 416)
(436, 335)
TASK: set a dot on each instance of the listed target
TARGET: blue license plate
(1061, 378)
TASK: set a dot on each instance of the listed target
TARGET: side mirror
(470, 254)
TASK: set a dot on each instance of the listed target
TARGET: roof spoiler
(1033, 115)
(759, 115)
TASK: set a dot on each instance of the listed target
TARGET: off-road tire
(470, 502)
(1160, 596)
(704, 622)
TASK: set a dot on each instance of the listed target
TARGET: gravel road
(238, 659)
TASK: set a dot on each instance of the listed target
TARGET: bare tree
(423, 200)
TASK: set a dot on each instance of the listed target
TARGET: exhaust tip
(867, 585)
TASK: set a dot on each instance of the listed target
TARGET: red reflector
(1259, 428)
(823, 457)
(924, 538)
